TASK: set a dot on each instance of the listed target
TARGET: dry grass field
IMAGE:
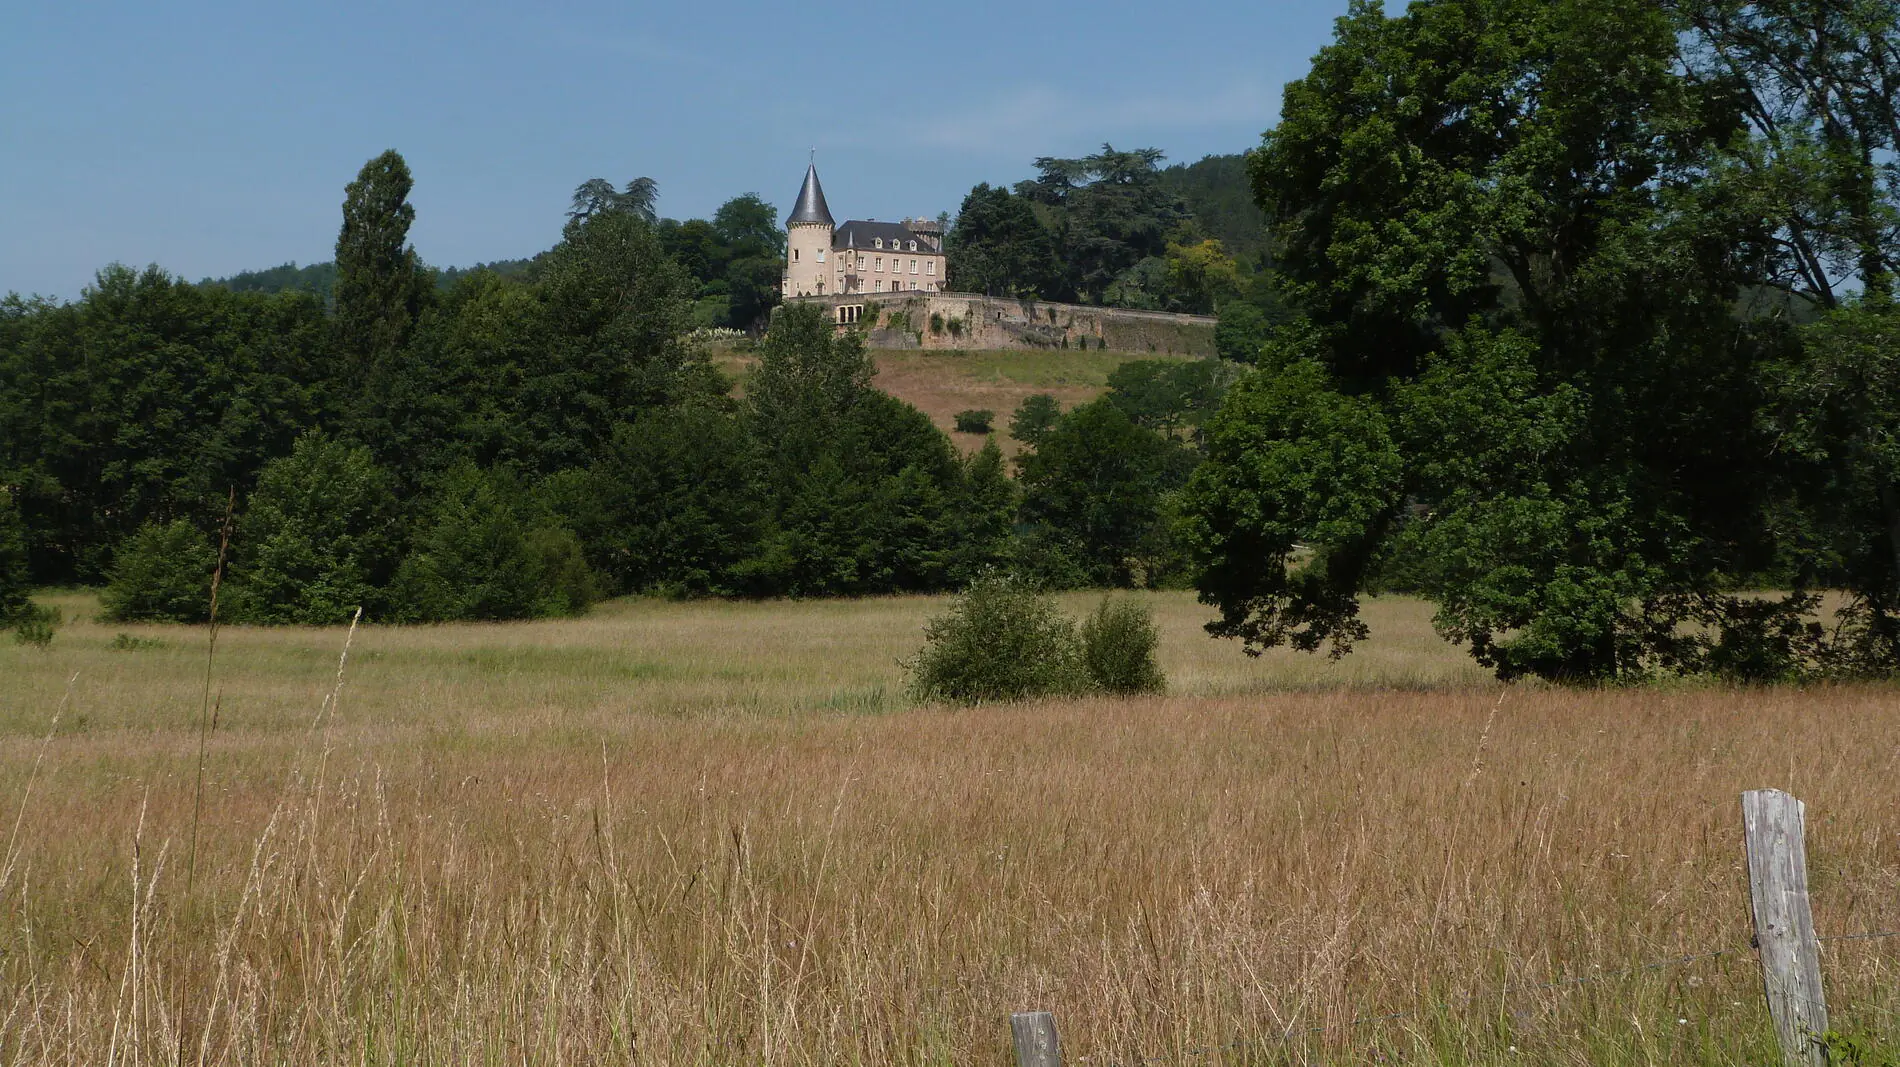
(942, 383)
(719, 834)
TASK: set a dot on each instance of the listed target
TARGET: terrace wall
(972, 321)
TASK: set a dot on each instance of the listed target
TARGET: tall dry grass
(712, 834)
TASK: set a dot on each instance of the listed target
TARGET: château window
(913, 266)
(913, 246)
(794, 255)
(930, 266)
(880, 264)
(879, 241)
(821, 255)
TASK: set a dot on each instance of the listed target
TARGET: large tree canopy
(1818, 84)
(1110, 213)
(1512, 231)
(597, 196)
(999, 247)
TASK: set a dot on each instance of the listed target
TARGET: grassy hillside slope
(944, 383)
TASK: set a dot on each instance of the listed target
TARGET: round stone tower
(808, 241)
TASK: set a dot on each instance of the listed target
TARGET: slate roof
(811, 205)
(862, 235)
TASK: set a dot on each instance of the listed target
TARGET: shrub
(975, 420)
(1854, 1050)
(129, 643)
(162, 574)
(34, 625)
(936, 322)
(31, 623)
(1118, 648)
(1000, 640)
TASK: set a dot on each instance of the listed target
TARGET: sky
(211, 137)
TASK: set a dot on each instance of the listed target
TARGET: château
(823, 258)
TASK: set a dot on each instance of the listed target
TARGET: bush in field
(1000, 640)
(34, 625)
(1118, 648)
(162, 573)
(975, 420)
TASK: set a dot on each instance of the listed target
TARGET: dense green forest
(1219, 197)
(1114, 228)
(1575, 317)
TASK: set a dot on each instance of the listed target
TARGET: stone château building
(861, 256)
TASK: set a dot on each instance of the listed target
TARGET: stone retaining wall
(970, 321)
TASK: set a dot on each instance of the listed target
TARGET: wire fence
(1499, 992)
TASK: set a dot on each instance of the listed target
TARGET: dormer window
(879, 241)
(913, 246)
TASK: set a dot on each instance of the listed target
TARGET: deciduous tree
(1510, 195)
(318, 539)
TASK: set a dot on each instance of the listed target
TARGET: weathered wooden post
(1772, 829)
(1036, 1044)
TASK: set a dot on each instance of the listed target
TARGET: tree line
(1116, 228)
(733, 260)
(516, 445)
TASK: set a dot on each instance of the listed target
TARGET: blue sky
(214, 137)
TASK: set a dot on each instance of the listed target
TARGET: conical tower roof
(811, 205)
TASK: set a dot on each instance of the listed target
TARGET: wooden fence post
(1036, 1044)
(1772, 829)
